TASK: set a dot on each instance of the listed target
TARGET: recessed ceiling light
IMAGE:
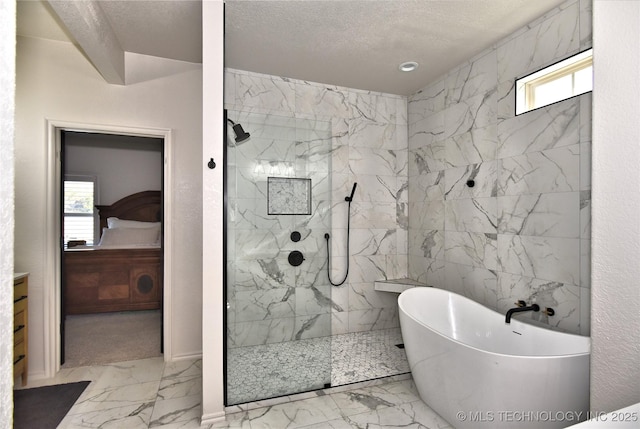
(408, 66)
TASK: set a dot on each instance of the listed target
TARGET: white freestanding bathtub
(477, 371)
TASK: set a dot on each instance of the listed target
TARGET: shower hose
(327, 237)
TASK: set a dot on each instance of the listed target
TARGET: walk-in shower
(280, 195)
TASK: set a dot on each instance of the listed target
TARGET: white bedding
(127, 234)
(114, 222)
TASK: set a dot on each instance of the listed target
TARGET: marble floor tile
(94, 399)
(333, 424)
(131, 372)
(413, 415)
(168, 411)
(152, 394)
(171, 388)
(376, 397)
(295, 414)
(131, 417)
(390, 405)
(182, 368)
(234, 421)
(190, 424)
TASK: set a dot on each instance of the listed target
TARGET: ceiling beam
(90, 27)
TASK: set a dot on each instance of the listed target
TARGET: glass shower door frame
(264, 292)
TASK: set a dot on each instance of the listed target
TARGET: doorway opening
(111, 212)
(132, 293)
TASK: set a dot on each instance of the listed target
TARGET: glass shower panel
(278, 300)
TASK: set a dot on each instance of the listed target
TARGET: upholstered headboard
(143, 206)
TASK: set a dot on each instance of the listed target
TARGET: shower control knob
(296, 258)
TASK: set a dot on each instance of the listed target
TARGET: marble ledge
(396, 285)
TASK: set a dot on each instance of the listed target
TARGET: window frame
(525, 86)
(82, 178)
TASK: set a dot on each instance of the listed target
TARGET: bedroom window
(79, 203)
(565, 79)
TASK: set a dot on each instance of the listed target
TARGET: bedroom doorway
(112, 247)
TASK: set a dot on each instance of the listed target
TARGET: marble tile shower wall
(523, 230)
(270, 302)
(270, 298)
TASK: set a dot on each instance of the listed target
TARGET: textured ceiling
(168, 29)
(163, 28)
(357, 44)
(360, 44)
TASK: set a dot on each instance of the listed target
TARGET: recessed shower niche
(278, 314)
(288, 196)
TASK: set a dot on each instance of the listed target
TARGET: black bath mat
(45, 407)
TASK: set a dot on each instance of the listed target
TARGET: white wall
(56, 82)
(212, 211)
(123, 165)
(7, 94)
(615, 318)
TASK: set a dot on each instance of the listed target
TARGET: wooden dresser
(20, 325)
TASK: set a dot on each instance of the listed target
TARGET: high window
(79, 211)
(565, 79)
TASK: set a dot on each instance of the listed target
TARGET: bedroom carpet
(96, 339)
(45, 407)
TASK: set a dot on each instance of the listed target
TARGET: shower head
(241, 134)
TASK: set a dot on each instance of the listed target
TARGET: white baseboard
(212, 418)
(186, 357)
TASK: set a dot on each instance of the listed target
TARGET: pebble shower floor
(271, 370)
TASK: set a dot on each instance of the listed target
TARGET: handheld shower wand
(353, 191)
(348, 199)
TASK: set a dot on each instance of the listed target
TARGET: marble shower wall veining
(523, 230)
(269, 299)
(335, 136)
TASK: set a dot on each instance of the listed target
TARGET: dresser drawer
(18, 367)
(20, 305)
(18, 356)
(19, 327)
(18, 350)
(20, 288)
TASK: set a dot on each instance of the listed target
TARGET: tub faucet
(520, 308)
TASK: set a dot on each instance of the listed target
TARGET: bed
(124, 271)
